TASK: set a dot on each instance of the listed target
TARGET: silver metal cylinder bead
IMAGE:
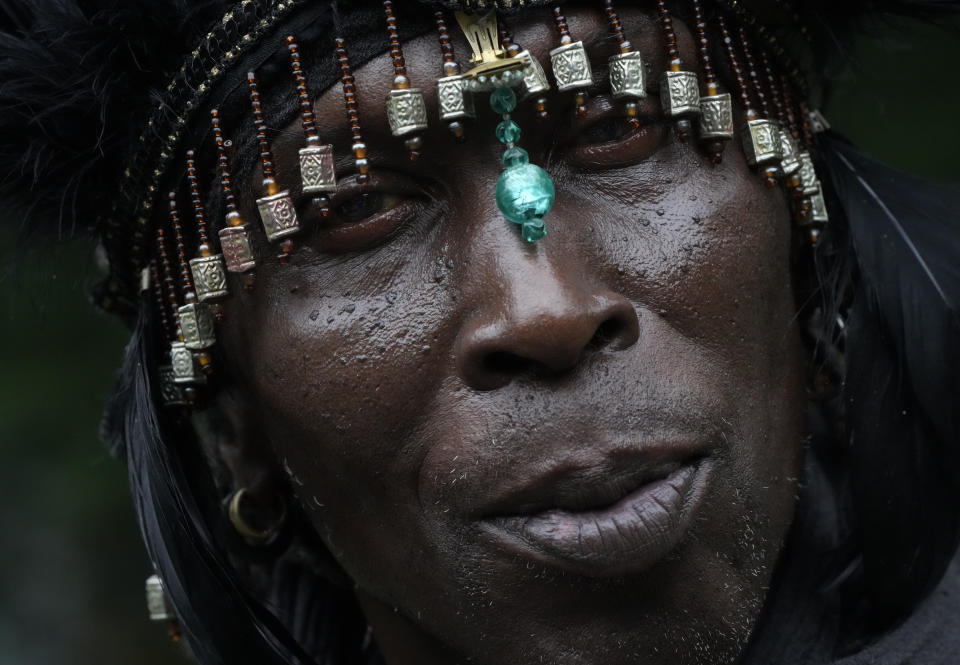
(716, 117)
(406, 111)
(184, 369)
(456, 101)
(761, 142)
(237, 251)
(571, 67)
(317, 169)
(279, 215)
(680, 94)
(209, 277)
(535, 81)
(628, 76)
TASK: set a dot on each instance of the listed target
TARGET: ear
(255, 493)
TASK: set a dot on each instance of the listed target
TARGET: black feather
(222, 622)
(903, 388)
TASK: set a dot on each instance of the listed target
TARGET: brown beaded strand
(772, 87)
(450, 66)
(172, 300)
(204, 249)
(307, 118)
(400, 79)
(269, 182)
(631, 108)
(674, 62)
(197, 201)
(233, 219)
(714, 147)
(226, 179)
(353, 111)
(563, 29)
(170, 283)
(159, 301)
(186, 279)
(770, 173)
(742, 87)
(734, 62)
(802, 206)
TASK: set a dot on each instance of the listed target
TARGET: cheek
(707, 251)
(337, 363)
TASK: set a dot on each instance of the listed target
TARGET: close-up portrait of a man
(508, 332)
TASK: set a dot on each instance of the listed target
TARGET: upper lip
(575, 486)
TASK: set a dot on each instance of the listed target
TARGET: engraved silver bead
(789, 153)
(157, 604)
(571, 67)
(716, 117)
(184, 369)
(279, 215)
(209, 277)
(628, 76)
(535, 81)
(170, 393)
(761, 142)
(808, 174)
(680, 94)
(237, 251)
(197, 326)
(456, 101)
(317, 170)
(819, 212)
(406, 111)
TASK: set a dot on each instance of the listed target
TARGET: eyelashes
(604, 138)
(364, 216)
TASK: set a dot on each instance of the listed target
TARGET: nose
(544, 321)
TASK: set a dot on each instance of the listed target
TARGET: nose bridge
(536, 309)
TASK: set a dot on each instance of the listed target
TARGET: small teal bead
(503, 100)
(534, 231)
(508, 132)
(515, 157)
(525, 193)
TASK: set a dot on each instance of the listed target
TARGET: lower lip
(625, 538)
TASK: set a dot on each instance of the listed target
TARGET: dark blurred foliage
(71, 564)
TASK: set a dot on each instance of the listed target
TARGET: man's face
(579, 451)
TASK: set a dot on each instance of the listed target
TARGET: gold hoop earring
(250, 533)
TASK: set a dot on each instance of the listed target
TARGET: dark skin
(416, 357)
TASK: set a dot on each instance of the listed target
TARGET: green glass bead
(508, 132)
(525, 193)
(503, 100)
(534, 231)
(515, 157)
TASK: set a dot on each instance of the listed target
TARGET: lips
(617, 518)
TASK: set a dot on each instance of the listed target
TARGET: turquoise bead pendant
(525, 192)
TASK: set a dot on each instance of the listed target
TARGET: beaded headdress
(776, 137)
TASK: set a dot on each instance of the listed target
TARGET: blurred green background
(71, 564)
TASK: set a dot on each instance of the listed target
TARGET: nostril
(504, 363)
(606, 334)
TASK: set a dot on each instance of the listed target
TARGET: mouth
(603, 522)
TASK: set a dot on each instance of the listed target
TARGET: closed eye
(605, 138)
